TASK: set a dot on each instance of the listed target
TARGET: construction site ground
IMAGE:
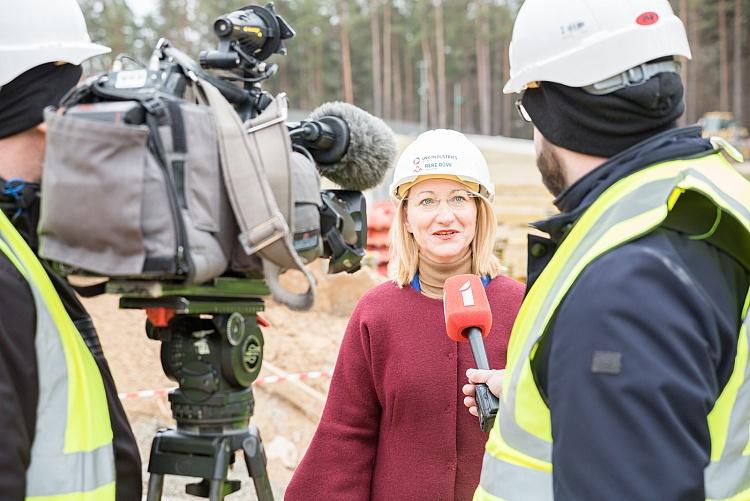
(300, 342)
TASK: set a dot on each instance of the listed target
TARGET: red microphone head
(465, 305)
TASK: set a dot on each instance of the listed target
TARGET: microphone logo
(466, 294)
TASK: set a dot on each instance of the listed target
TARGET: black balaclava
(22, 100)
(604, 125)
(22, 103)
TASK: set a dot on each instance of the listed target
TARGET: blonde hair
(404, 253)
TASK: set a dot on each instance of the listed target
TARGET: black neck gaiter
(22, 100)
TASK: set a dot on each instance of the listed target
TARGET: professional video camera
(187, 188)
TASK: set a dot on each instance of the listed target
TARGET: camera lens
(222, 27)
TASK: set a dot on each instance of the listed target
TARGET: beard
(550, 168)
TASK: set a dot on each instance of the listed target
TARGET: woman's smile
(442, 216)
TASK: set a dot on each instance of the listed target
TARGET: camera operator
(65, 432)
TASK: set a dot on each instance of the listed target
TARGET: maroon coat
(394, 427)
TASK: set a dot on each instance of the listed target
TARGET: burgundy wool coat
(394, 427)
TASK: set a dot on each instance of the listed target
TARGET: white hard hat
(581, 42)
(444, 154)
(35, 32)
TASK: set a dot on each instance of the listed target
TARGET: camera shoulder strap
(263, 227)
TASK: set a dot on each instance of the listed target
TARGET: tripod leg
(155, 485)
(221, 465)
(255, 459)
(216, 490)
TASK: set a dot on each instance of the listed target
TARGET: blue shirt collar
(415, 282)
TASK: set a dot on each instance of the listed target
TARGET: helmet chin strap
(633, 76)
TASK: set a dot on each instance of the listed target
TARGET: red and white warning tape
(129, 395)
(300, 376)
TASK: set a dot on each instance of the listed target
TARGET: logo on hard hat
(647, 18)
(574, 28)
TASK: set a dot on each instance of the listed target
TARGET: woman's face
(442, 216)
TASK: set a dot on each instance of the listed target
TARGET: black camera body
(155, 98)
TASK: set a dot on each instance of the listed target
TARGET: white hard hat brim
(590, 67)
(16, 61)
(485, 189)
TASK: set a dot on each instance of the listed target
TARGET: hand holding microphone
(468, 319)
(494, 380)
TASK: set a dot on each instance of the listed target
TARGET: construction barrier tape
(300, 376)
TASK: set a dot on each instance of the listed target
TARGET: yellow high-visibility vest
(517, 464)
(72, 458)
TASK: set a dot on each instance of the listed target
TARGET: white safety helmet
(36, 32)
(583, 42)
(442, 154)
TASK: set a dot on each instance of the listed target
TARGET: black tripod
(175, 453)
(213, 348)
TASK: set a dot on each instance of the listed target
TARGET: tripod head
(211, 346)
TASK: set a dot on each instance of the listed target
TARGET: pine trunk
(410, 93)
(483, 71)
(470, 106)
(398, 82)
(318, 72)
(737, 67)
(440, 53)
(377, 103)
(723, 57)
(346, 59)
(430, 82)
(387, 67)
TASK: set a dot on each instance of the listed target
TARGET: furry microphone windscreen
(371, 152)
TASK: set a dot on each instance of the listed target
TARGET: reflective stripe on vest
(71, 457)
(517, 462)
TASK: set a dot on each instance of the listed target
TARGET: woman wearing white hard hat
(394, 426)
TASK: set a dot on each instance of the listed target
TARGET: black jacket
(19, 375)
(668, 309)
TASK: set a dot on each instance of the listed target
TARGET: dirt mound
(336, 294)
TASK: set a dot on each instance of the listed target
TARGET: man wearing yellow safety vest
(627, 374)
(65, 435)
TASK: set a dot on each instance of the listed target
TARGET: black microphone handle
(487, 406)
(487, 403)
(476, 340)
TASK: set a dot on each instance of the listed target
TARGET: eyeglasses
(522, 111)
(458, 201)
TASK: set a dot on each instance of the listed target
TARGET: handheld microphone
(351, 147)
(468, 319)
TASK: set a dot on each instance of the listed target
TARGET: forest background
(421, 63)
